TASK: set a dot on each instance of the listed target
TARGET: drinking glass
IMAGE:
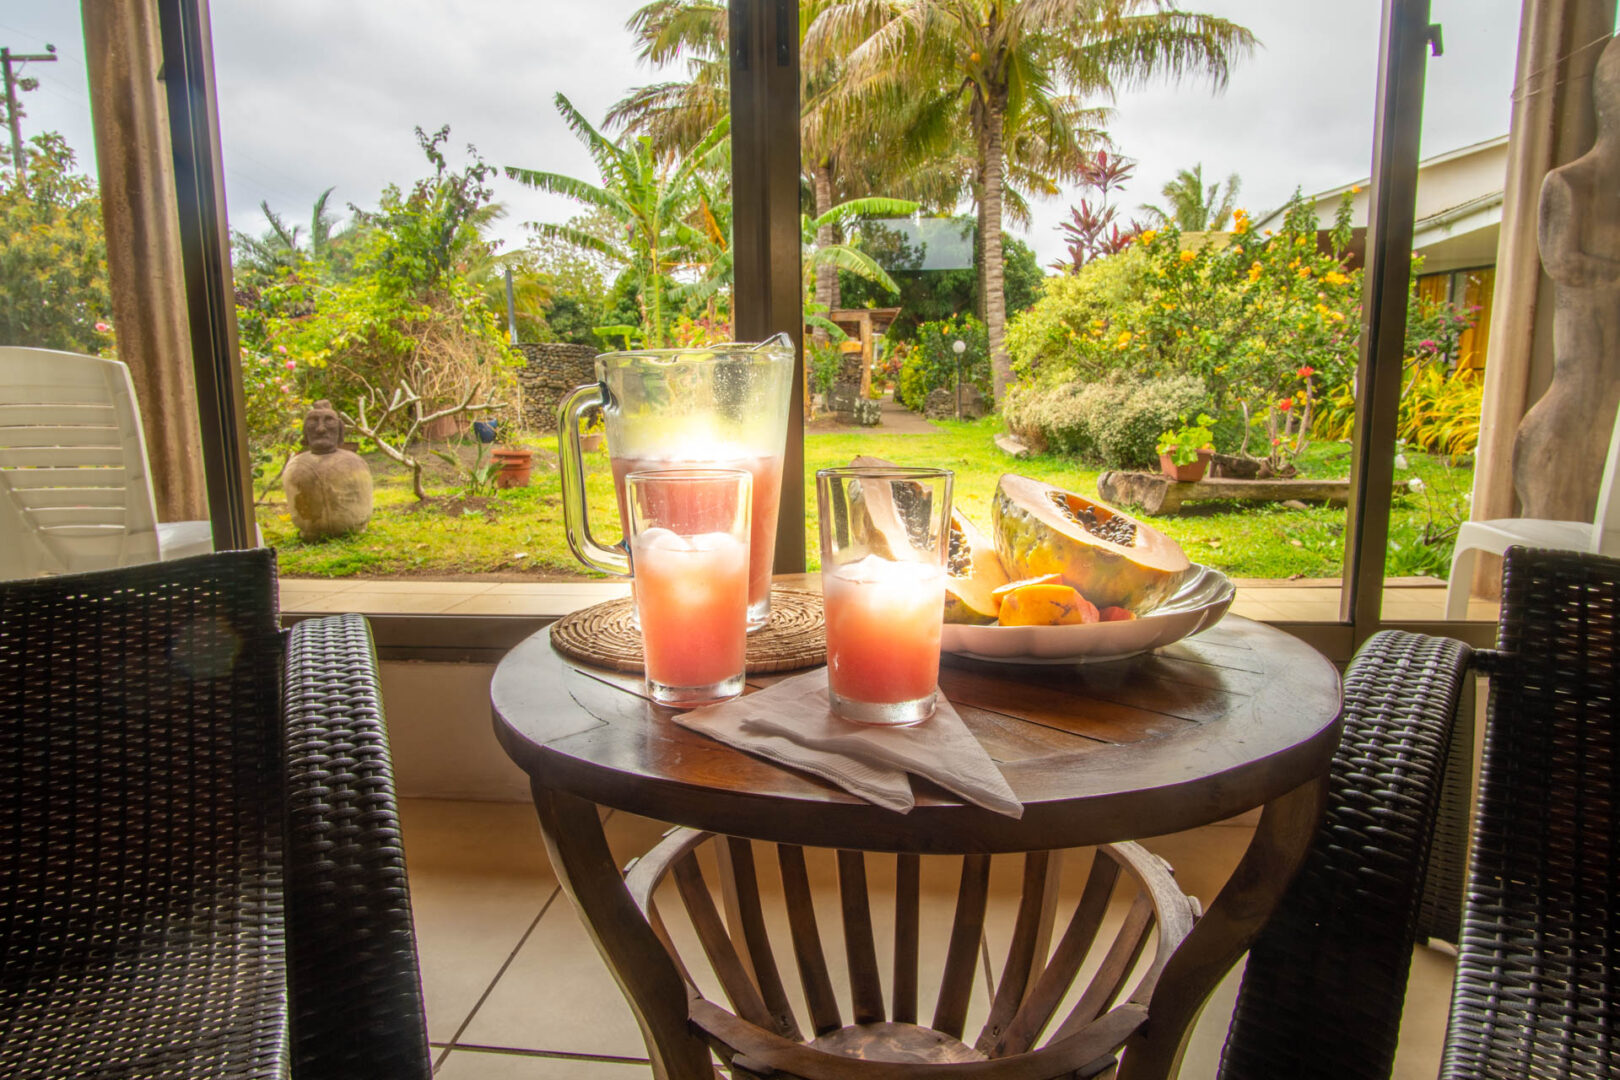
(689, 536)
(884, 534)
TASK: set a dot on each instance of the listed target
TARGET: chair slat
(56, 517)
(711, 932)
(1026, 955)
(35, 498)
(17, 457)
(907, 900)
(738, 864)
(818, 989)
(87, 478)
(57, 435)
(1032, 1017)
(86, 412)
(1116, 967)
(865, 989)
(962, 955)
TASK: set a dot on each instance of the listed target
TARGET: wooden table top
(1196, 732)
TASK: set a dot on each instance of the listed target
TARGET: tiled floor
(1272, 601)
(515, 990)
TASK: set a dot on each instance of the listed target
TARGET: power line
(13, 84)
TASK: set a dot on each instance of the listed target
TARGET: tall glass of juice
(689, 537)
(884, 534)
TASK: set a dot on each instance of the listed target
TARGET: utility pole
(13, 84)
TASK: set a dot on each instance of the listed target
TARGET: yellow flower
(1168, 307)
(1147, 236)
(1255, 270)
(1304, 272)
(1098, 323)
(1240, 220)
(1124, 339)
(1188, 256)
(1333, 277)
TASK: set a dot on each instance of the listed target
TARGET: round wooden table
(1241, 716)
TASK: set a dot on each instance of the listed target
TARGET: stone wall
(549, 372)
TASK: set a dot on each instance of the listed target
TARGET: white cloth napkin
(792, 724)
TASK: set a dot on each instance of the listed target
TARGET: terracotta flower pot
(515, 465)
(591, 442)
(1190, 473)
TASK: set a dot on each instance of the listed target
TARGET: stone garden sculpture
(1562, 443)
(328, 488)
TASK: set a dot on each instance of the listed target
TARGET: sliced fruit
(972, 569)
(1115, 560)
(1117, 614)
(973, 574)
(1044, 579)
(1046, 605)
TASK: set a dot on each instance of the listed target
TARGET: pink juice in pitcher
(767, 473)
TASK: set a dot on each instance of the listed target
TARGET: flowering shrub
(931, 361)
(1268, 322)
(1116, 420)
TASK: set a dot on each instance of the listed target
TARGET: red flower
(1306, 372)
(1285, 404)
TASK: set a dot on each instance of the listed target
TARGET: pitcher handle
(571, 463)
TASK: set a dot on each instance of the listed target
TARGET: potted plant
(1184, 451)
(592, 432)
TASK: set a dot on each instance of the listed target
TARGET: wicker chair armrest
(355, 985)
(1324, 986)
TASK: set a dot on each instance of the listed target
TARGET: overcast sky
(319, 93)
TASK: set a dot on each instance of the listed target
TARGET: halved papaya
(973, 574)
(1109, 556)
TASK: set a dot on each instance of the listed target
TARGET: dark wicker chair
(1323, 990)
(1536, 992)
(195, 881)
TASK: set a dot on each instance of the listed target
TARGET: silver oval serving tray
(1199, 604)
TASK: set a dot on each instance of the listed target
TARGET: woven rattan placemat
(603, 635)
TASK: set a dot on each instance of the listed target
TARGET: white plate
(1199, 604)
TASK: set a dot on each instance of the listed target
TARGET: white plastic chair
(75, 493)
(1601, 536)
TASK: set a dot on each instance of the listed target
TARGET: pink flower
(282, 349)
(1277, 441)
(1306, 371)
(291, 364)
(103, 328)
(1429, 345)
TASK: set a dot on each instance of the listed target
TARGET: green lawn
(520, 531)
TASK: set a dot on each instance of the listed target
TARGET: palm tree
(677, 114)
(1021, 70)
(1194, 208)
(282, 246)
(650, 199)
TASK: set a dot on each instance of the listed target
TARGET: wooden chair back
(1043, 1020)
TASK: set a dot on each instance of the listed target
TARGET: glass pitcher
(722, 406)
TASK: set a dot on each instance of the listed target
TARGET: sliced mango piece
(1046, 605)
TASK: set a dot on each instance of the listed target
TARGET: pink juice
(692, 597)
(883, 629)
(767, 473)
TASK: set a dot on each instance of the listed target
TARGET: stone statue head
(323, 428)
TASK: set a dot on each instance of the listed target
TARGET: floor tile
(485, 1065)
(479, 879)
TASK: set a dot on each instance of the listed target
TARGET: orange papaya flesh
(1117, 614)
(1046, 605)
(1110, 557)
